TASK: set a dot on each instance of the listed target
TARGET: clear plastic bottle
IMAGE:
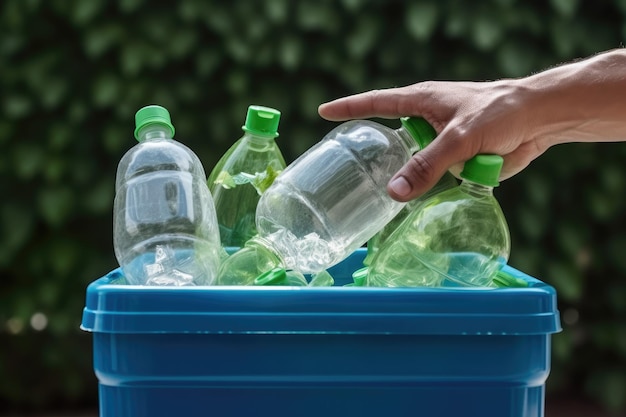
(457, 237)
(242, 174)
(446, 182)
(165, 227)
(333, 198)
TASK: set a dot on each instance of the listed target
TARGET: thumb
(427, 166)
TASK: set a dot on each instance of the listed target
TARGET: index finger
(387, 103)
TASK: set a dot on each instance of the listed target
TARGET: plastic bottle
(446, 182)
(246, 264)
(165, 227)
(242, 174)
(278, 276)
(333, 198)
(457, 237)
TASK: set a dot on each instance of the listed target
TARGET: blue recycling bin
(321, 351)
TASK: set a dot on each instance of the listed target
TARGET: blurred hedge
(73, 73)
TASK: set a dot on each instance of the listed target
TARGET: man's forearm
(582, 101)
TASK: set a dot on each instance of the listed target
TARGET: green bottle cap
(420, 130)
(483, 169)
(262, 121)
(275, 276)
(152, 115)
(505, 280)
(359, 276)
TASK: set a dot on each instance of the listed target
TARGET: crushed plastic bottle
(165, 227)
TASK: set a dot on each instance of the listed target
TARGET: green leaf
(421, 19)
(571, 238)
(531, 222)
(363, 39)
(12, 16)
(181, 43)
(616, 291)
(53, 93)
(487, 31)
(456, 23)
(565, 8)
(602, 205)
(538, 191)
(12, 43)
(612, 179)
(17, 225)
(207, 61)
(237, 82)
(76, 112)
(277, 10)
(98, 200)
(28, 160)
(290, 52)
(316, 16)
(621, 5)
(220, 20)
(505, 3)
(238, 49)
(60, 136)
(609, 386)
(100, 39)
(55, 205)
(54, 168)
(311, 95)
(564, 45)
(106, 90)
(85, 11)
(562, 346)
(49, 294)
(515, 59)
(132, 58)
(16, 105)
(64, 255)
(129, 6)
(567, 280)
(354, 5)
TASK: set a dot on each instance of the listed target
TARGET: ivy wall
(73, 73)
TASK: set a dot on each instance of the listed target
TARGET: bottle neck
(407, 140)
(258, 139)
(475, 189)
(152, 132)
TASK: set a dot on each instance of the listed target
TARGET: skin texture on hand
(518, 119)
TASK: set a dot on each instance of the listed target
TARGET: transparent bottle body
(165, 228)
(237, 182)
(446, 182)
(456, 238)
(333, 198)
(246, 264)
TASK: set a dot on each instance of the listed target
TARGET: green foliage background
(73, 73)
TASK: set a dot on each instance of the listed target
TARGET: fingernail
(400, 186)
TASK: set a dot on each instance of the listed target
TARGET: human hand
(469, 117)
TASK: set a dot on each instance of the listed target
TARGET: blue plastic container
(317, 352)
